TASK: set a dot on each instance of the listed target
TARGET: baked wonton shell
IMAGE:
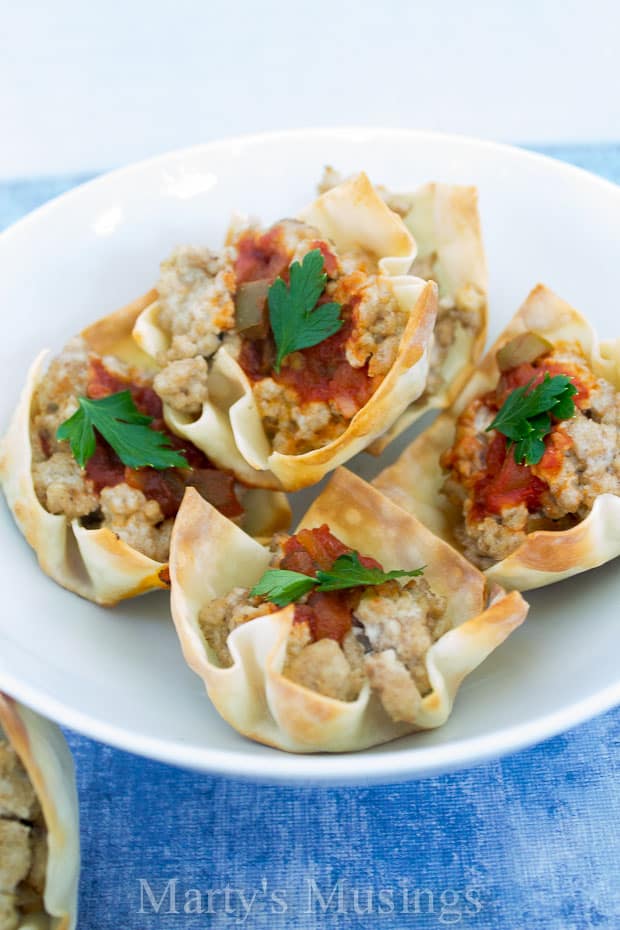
(445, 222)
(96, 564)
(210, 556)
(352, 216)
(47, 760)
(415, 480)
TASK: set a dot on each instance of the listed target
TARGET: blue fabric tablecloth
(527, 842)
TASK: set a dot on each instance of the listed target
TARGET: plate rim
(281, 767)
(336, 769)
(255, 138)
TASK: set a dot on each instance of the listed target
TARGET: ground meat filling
(23, 845)
(501, 501)
(340, 639)
(318, 390)
(459, 314)
(138, 505)
(196, 302)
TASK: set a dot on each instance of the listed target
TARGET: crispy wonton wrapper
(45, 756)
(416, 478)
(445, 223)
(353, 216)
(210, 556)
(95, 563)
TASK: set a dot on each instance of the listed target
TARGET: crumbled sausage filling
(137, 505)
(379, 634)
(23, 844)
(183, 385)
(196, 289)
(581, 462)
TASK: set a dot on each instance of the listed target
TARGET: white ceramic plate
(118, 675)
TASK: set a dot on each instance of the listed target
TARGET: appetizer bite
(445, 223)
(304, 342)
(94, 477)
(357, 629)
(522, 474)
(39, 829)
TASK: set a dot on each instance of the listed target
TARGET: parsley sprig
(296, 321)
(122, 425)
(525, 416)
(282, 587)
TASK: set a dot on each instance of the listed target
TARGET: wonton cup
(352, 216)
(445, 223)
(45, 756)
(95, 563)
(416, 478)
(210, 556)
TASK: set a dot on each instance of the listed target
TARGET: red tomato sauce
(167, 487)
(102, 382)
(556, 445)
(526, 372)
(506, 483)
(321, 372)
(329, 614)
(260, 257)
(330, 262)
(264, 256)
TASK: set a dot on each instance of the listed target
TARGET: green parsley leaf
(565, 406)
(296, 321)
(348, 572)
(122, 425)
(282, 587)
(525, 416)
(529, 450)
